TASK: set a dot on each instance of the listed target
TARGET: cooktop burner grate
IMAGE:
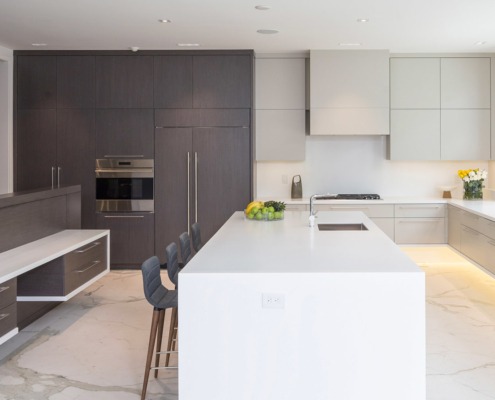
(364, 196)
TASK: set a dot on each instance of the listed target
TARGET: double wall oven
(124, 185)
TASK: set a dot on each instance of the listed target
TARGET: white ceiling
(398, 25)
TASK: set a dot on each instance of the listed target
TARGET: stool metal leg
(173, 318)
(161, 320)
(151, 344)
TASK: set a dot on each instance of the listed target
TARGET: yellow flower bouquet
(473, 182)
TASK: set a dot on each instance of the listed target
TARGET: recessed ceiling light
(267, 31)
(350, 44)
(188, 44)
(165, 21)
(38, 44)
(262, 8)
(480, 43)
(363, 20)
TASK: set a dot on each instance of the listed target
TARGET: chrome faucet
(312, 199)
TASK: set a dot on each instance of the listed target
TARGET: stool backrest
(153, 288)
(185, 247)
(196, 237)
(172, 263)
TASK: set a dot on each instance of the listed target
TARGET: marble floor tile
(93, 347)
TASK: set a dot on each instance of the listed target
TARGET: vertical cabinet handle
(53, 177)
(58, 176)
(188, 193)
(196, 186)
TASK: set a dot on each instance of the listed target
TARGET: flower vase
(473, 190)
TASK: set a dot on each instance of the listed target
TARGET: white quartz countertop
(24, 258)
(291, 246)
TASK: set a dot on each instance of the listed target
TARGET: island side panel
(346, 336)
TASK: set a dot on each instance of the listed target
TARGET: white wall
(358, 164)
(6, 110)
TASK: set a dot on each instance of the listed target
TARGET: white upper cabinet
(415, 83)
(280, 84)
(465, 83)
(414, 134)
(280, 100)
(465, 135)
(440, 108)
(349, 92)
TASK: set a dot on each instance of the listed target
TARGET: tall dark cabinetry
(74, 107)
(55, 140)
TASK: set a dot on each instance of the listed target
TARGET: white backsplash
(358, 164)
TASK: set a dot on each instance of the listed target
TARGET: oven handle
(123, 156)
(188, 193)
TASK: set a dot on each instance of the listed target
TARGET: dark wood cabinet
(73, 107)
(76, 82)
(124, 132)
(36, 82)
(131, 237)
(216, 161)
(124, 82)
(36, 149)
(173, 80)
(75, 157)
(222, 81)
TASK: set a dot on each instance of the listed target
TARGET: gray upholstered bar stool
(173, 275)
(185, 248)
(196, 237)
(161, 299)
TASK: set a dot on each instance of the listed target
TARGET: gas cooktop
(364, 196)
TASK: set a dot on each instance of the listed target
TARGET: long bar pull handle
(53, 177)
(188, 193)
(196, 186)
(124, 216)
(80, 271)
(3, 316)
(88, 248)
(58, 176)
(123, 156)
(4, 288)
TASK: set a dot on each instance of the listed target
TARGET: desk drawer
(8, 318)
(85, 254)
(8, 292)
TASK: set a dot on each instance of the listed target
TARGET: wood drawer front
(8, 318)
(420, 230)
(8, 293)
(370, 210)
(419, 210)
(84, 254)
(471, 220)
(84, 263)
(487, 227)
(78, 277)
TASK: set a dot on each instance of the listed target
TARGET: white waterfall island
(281, 311)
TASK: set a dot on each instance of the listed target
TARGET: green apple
(277, 215)
(270, 216)
(259, 216)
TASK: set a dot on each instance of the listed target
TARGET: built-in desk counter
(52, 269)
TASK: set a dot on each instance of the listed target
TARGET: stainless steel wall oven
(124, 185)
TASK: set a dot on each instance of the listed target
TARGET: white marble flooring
(93, 347)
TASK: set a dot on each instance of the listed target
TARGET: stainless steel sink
(342, 227)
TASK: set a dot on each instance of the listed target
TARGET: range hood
(349, 92)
